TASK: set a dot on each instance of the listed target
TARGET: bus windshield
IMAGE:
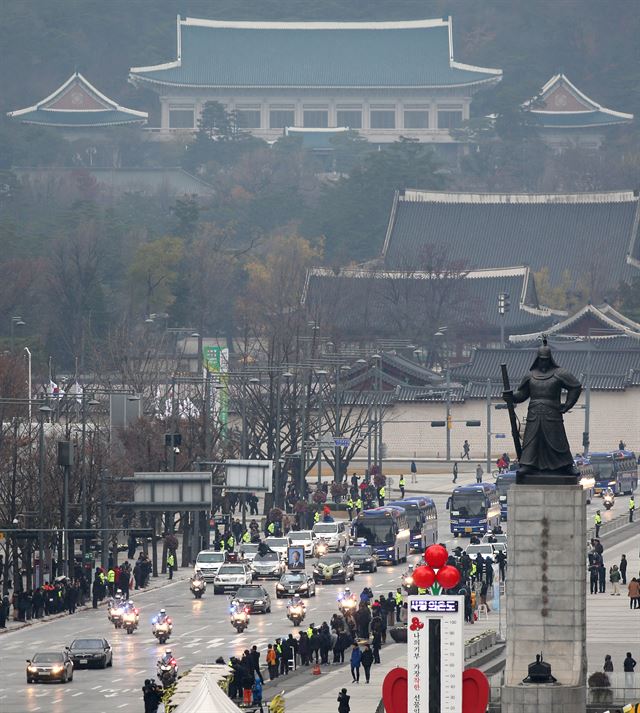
(468, 504)
(605, 469)
(503, 484)
(374, 532)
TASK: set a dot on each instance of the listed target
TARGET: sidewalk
(154, 583)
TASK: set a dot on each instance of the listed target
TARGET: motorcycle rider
(161, 618)
(295, 601)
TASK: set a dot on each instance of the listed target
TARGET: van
(209, 562)
(335, 534)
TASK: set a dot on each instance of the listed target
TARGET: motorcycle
(167, 672)
(116, 617)
(198, 587)
(162, 630)
(608, 499)
(296, 613)
(240, 618)
(130, 620)
(347, 604)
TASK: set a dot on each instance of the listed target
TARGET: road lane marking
(95, 688)
(79, 693)
(122, 705)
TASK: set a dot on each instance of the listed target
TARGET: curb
(85, 607)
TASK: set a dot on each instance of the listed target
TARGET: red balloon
(423, 577)
(448, 577)
(436, 556)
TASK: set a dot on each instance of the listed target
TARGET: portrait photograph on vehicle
(295, 557)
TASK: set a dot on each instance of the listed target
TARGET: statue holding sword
(545, 449)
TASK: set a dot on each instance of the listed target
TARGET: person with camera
(152, 696)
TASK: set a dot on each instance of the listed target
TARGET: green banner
(216, 364)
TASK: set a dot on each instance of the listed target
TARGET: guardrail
(609, 526)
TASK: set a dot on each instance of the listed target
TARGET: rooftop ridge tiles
(417, 195)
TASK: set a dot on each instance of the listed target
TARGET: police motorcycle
(167, 669)
(197, 585)
(347, 602)
(296, 610)
(608, 498)
(239, 616)
(161, 627)
(115, 609)
(130, 617)
(407, 580)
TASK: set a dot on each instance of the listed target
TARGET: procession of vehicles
(474, 509)
(386, 529)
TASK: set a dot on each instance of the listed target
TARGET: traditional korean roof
(78, 104)
(332, 55)
(376, 302)
(609, 369)
(579, 233)
(561, 105)
(602, 323)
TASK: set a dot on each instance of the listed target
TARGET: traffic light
(504, 303)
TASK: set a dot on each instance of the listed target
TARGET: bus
(422, 516)
(474, 509)
(503, 482)
(587, 476)
(617, 470)
(386, 529)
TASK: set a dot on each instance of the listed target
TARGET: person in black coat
(343, 702)
(367, 661)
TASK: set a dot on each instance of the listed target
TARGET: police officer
(171, 563)
(316, 516)
(246, 537)
(271, 529)
(401, 484)
(632, 507)
(597, 522)
(350, 508)
(381, 493)
(111, 579)
(358, 505)
(398, 600)
(231, 542)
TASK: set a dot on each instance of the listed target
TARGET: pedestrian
(597, 521)
(367, 661)
(171, 562)
(614, 578)
(255, 662)
(621, 445)
(271, 662)
(343, 702)
(257, 694)
(466, 450)
(483, 595)
(414, 469)
(356, 658)
(401, 484)
(479, 473)
(634, 594)
(608, 664)
(632, 507)
(628, 666)
(623, 568)
(455, 471)
(381, 495)
(4, 612)
(593, 577)
(602, 577)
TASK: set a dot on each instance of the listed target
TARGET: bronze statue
(545, 449)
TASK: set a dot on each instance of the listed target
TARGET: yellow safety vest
(598, 519)
(398, 597)
(101, 576)
(111, 576)
(381, 492)
(359, 504)
(171, 560)
(632, 504)
(246, 537)
(401, 482)
(271, 528)
(230, 541)
(350, 504)
(316, 517)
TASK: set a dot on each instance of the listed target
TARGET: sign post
(436, 653)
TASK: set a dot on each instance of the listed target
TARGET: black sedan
(299, 583)
(91, 652)
(254, 596)
(364, 558)
(50, 666)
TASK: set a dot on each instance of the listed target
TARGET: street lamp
(27, 350)
(90, 403)
(44, 412)
(320, 374)
(15, 322)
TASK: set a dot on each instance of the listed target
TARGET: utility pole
(504, 305)
(587, 401)
(488, 426)
(44, 411)
(448, 385)
(104, 549)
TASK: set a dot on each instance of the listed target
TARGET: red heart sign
(394, 691)
(475, 691)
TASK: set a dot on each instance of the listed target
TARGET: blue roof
(108, 117)
(314, 55)
(575, 120)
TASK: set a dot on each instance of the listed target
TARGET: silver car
(269, 564)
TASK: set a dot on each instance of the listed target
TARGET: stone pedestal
(546, 597)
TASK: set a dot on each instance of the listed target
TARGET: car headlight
(57, 669)
(368, 559)
(279, 586)
(483, 521)
(32, 669)
(259, 601)
(303, 586)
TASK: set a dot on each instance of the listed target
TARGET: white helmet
(162, 611)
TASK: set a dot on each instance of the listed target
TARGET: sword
(515, 432)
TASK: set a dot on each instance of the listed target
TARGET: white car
(232, 576)
(497, 538)
(485, 549)
(278, 544)
(333, 533)
(303, 538)
(208, 563)
(268, 565)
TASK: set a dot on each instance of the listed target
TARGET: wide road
(202, 633)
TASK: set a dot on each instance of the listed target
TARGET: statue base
(546, 595)
(546, 478)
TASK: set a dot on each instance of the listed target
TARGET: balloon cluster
(436, 570)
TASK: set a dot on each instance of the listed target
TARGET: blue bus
(386, 529)
(474, 509)
(422, 516)
(503, 482)
(617, 470)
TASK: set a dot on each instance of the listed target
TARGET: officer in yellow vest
(231, 542)
(111, 578)
(381, 493)
(246, 537)
(398, 600)
(401, 483)
(632, 507)
(358, 505)
(171, 563)
(597, 521)
(316, 516)
(350, 508)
